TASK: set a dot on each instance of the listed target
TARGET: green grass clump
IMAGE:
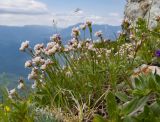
(103, 81)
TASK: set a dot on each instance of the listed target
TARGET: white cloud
(32, 12)
(114, 14)
(25, 7)
(67, 19)
(21, 20)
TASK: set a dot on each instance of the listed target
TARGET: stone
(147, 9)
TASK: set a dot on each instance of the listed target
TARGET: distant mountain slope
(108, 31)
(12, 61)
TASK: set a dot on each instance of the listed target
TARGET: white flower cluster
(52, 48)
(38, 48)
(73, 43)
(127, 49)
(101, 51)
(43, 55)
(13, 93)
(34, 74)
(90, 46)
(56, 38)
(46, 64)
(37, 60)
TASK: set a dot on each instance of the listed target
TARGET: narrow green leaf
(138, 83)
(123, 97)
(157, 79)
(135, 105)
(99, 118)
(155, 107)
(112, 105)
(152, 84)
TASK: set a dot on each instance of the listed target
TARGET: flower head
(56, 38)
(43, 67)
(28, 64)
(11, 93)
(33, 74)
(37, 60)
(75, 32)
(157, 53)
(51, 51)
(83, 26)
(24, 45)
(20, 86)
(34, 85)
(38, 46)
(99, 34)
(89, 23)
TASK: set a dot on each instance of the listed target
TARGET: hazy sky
(42, 12)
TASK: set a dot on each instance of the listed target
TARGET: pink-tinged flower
(50, 45)
(24, 45)
(37, 60)
(98, 34)
(51, 51)
(79, 45)
(48, 62)
(56, 38)
(91, 47)
(43, 67)
(75, 32)
(38, 47)
(28, 64)
(33, 75)
(73, 43)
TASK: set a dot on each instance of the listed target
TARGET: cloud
(66, 19)
(62, 19)
(33, 12)
(25, 7)
(21, 20)
(114, 14)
